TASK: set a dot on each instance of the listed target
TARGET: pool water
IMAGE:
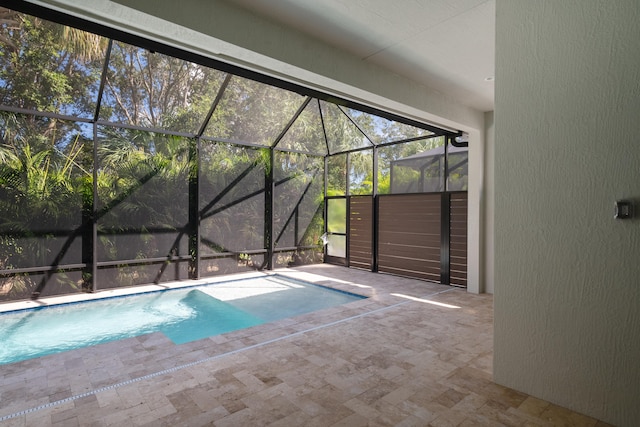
(183, 315)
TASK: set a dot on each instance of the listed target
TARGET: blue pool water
(183, 315)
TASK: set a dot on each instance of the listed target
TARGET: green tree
(153, 90)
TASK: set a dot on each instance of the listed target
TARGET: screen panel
(143, 196)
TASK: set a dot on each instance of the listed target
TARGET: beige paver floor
(412, 354)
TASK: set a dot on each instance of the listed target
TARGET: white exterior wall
(475, 216)
(567, 274)
(488, 258)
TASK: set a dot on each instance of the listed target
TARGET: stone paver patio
(412, 354)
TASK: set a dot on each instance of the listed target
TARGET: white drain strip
(207, 359)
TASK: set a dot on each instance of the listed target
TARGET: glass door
(336, 235)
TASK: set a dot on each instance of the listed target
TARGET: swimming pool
(183, 315)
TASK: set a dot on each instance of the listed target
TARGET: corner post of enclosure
(268, 210)
(324, 204)
(374, 226)
(347, 192)
(194, 209)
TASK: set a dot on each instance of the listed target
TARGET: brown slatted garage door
(361, 231)
(409, 235)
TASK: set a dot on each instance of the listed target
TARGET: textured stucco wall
(488, 252)
(567, 274)
(475, 206)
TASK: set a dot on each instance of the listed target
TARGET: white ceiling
(446, 45)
